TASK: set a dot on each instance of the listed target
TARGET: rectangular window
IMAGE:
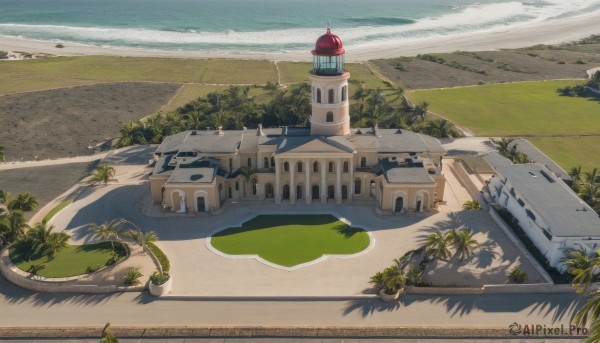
(521, 202)
(512, 192)
(249, 162)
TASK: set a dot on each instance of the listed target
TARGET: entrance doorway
(201, 204)
(330, 192)
(286, 192)
(399, 204)
(315, 192)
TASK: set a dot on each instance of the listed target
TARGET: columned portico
(292, 169)
(308, 183)
(277, 181)
(338, 181)
(323, 187)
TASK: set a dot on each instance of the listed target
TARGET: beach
(554, 31)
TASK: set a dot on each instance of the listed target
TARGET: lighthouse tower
(330, 108)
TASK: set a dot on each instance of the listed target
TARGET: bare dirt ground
(567, 61)
(65, 122)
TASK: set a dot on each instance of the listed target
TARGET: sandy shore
(548, 32)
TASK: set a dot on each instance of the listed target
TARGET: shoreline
(554, 31)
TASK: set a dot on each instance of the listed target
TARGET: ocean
(266, 25)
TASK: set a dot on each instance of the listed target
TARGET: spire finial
(329, 25)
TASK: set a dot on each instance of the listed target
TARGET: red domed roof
(329, 45)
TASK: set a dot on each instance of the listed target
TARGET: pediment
(316, 146)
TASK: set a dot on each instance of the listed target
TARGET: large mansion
(197, 171)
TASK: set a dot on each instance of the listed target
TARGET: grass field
(58, 72)
(289, 240)
(71, 261)
(571, 152)
(516, 109)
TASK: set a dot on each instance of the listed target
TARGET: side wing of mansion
(197, 171)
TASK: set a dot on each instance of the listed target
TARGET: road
(24, 308)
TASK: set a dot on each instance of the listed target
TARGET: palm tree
(463, 242)
(103, 173)
(131, 133)
(589, 315)
(420, 109)
(56, 242)
(272, 87)
(247, 174)
(591, 177)
(582, 268)
(375, 102)
(108, 230)
(397, 93)
(13, 225)
(2, 156)
(106, 336)
(25, 202)
(440, 128)
(37, 238)
(520, 158)
(436, 245)
(141, 238)
(503, 145)
(575, 174)
(471, 205)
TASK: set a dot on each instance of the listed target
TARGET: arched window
(344, 92)
(272, 162)
(345, 167)
(286, 167)
(237, 186)
(331, 167)
(330, 96)
(316, 167)
(363, 162)
(266, 162)
(249, 162)
(299, 167)
(329, 117)
(318, 95)
(253, 186)
(357, 185)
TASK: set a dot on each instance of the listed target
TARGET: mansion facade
(197, 171)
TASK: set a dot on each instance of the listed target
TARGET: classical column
(277, 181)
(307, 194)
(323, 188)
(338, 181)
(292, 184)
(351, 188)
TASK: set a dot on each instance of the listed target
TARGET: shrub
(159, 278)
(471, 205)
(160, 255)
(415, 277)
(35, 268)
(391, 280)
(94, 269)
(517, 275)
(132, 276)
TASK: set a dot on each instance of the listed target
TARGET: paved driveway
(198, 271)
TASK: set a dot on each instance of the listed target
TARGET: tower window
(329, 117)
(344, 92)
(286, 167)
(249, 162)
(330, 96)
(318, 95)
(266, 162)
(299, 167)
(345, 167)
(316, 167)
(363, 162)
(331, 167)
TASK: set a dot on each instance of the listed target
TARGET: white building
(549, 212)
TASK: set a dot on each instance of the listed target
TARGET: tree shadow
(558, 307)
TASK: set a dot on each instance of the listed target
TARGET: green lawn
(56, 209)
(571, 152)
(289, 240)
(515, 109)
(71, 261)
